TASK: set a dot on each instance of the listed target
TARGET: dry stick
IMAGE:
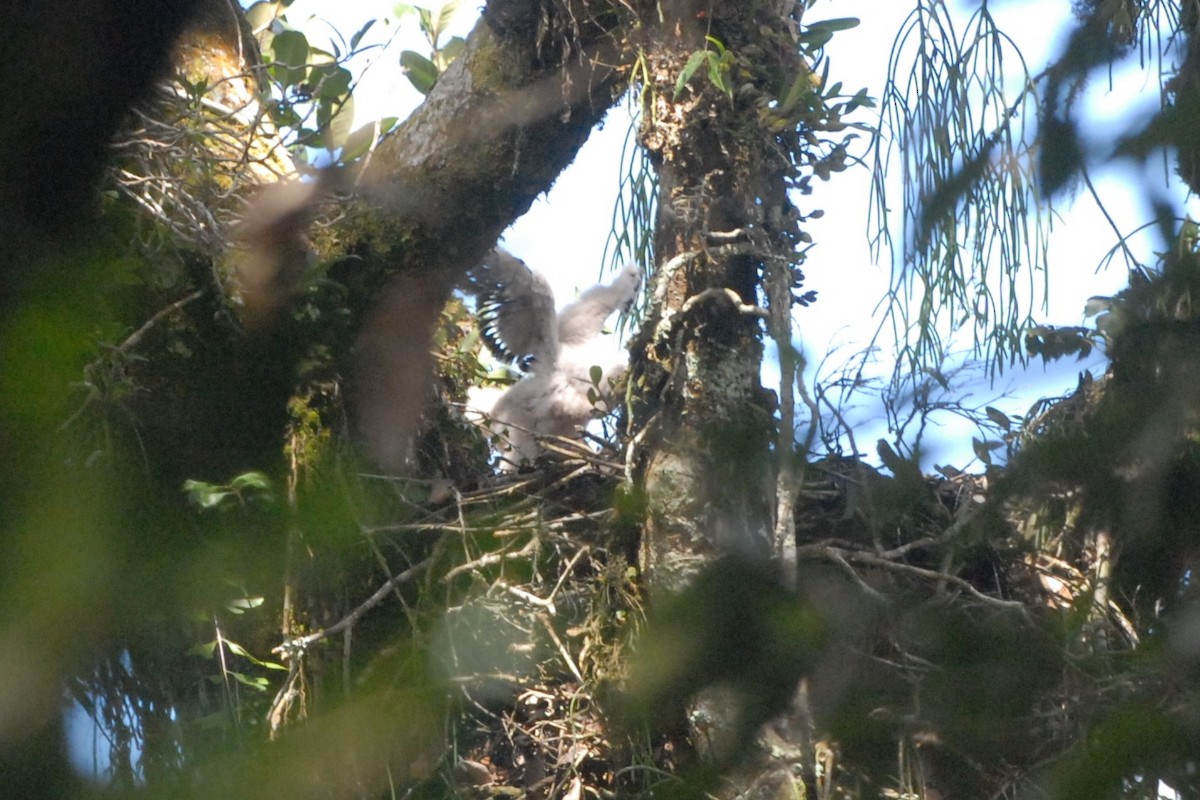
(434, 527)
(850, 571)
(300, 643)
(277, 715)
(527, 596)
(135, 338)
(571, 448)
(779, 323)
(346, 643)
(567, 571)
(562, 650)
(381, 559)
(293, 534)
(459, 525)
(869, 559)
(488, 560)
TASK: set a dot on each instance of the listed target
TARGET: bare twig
(299, 644)
(488, 559)
(527, 596)
(562, 649)
(836, 554)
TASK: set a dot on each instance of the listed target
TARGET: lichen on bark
(724, 220)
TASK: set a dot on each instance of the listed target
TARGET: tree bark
(724, 219)
(496, 130)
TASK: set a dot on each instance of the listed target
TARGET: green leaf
(860, 100)
(290, 53)
(205, 495)
(716, 74)
(361, 140)
(317, 55)
(243, 604)
(818, 34)
(251, 480)
(716, 43)
(290, 48)
(595, 373)
(204, 649)
(800, 88)
(259, 684)
(453, 49)
(237, 649)
(331, 81)
(420, 71)
(814, 39)
(689, 69)
(335, 119)
(835, 25)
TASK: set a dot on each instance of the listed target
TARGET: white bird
(557, 352)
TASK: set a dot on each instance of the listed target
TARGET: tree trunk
(726, 235)
(706, 423)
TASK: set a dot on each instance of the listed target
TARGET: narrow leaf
(446, 14)
(999, 417)
(356, 39)
(834, 25)
(689, 69)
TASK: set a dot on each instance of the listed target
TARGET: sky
(565, 233)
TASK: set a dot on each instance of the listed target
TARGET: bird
(567, 366)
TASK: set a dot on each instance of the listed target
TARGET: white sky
(564, 234)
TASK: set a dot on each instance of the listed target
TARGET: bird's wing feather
(583, 319)
(516, 311)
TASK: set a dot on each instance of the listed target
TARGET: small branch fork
(844, 557)
(299, 644)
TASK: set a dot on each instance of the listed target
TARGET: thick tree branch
(496, 130)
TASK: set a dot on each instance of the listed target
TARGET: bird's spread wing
(583, 319)
(516, 311)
